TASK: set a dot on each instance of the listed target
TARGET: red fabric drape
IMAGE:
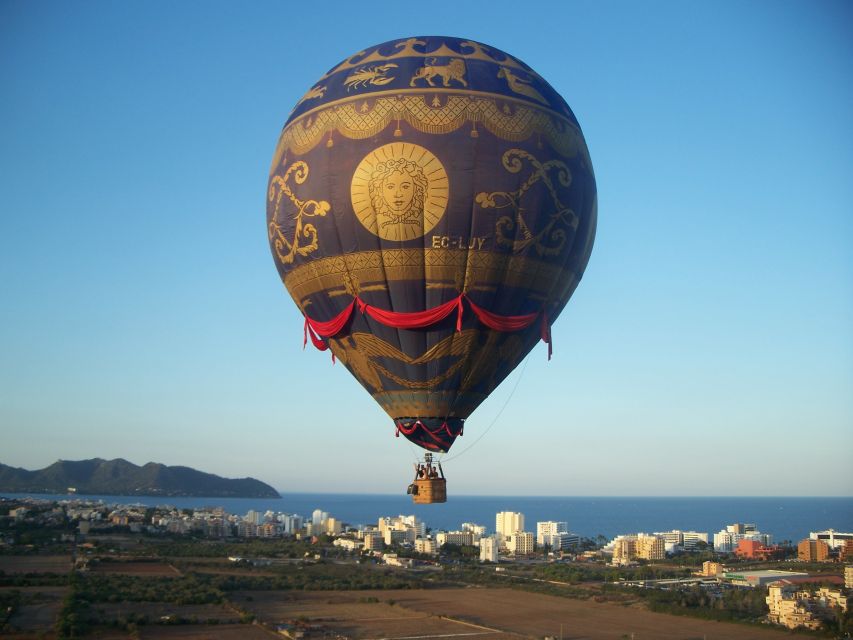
(501, 323)
(315, 339)
(317, 330)
(415, 319)
(545, 332)
(335, 325)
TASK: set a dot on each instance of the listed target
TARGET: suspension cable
(495, 419)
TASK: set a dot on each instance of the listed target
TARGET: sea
(786, 518)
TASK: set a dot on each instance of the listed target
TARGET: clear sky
(708, 350)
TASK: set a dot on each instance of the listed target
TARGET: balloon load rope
(319, 332)
(495, 419)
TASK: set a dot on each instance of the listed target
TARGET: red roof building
(754, 550)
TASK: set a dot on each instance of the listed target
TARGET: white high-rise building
(477, 529)
(318, 518)
(549, 529)
(291, 523)
(508, 522)
(488, 549)
(677, 539)
(405, 528)
(562, 541)
(835, 539)
(333, 526)
(413, 522)
(725, 541)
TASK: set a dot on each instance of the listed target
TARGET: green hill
(120, 477)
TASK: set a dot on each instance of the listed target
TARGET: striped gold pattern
(486, 268)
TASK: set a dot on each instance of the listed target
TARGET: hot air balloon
(431, 208)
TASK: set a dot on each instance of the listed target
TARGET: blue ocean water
(785, 518)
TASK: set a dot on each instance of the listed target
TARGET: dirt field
(35, 564)
(40, 613)
(349, 614)
(488, 614)
(146, 569)
(201, 632)
(156, 610)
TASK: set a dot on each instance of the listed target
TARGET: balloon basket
(430, 485)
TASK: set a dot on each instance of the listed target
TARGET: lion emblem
(453, 70)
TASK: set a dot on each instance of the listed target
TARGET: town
(736, 574)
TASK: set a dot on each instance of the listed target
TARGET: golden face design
(399, 191)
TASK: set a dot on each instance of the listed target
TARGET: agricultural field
(202, 632)
(150, 569)
(486, 613)
(39, 610)
(179, 632)
(162, 612)
(354, 615)
(35, 564)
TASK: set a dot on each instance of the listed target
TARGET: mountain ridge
(97, 476)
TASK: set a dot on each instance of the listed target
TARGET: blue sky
(708, 350)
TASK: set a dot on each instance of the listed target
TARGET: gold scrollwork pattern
(304, 234)
(360, 120)
(513, 231)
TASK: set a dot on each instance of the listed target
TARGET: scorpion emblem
(370, 75)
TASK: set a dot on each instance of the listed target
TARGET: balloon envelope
(431, 208)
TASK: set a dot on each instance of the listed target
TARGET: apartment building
(488, 549)
(373, 541)
(639, 546)
(793, 608)
(520, 543)
(549, 528)
(725, 541)
(426, 545)
(835, 539)
(812, 550)
(461, 538)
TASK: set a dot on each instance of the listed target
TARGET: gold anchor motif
(285, 249)
(513, 231)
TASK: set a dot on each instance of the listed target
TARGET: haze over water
(784, 518)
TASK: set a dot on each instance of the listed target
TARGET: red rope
(432, 434)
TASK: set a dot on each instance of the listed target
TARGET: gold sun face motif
(399, 191)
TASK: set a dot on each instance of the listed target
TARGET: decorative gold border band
(368, 270)
(356, 122)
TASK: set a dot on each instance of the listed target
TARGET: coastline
(787, 518)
